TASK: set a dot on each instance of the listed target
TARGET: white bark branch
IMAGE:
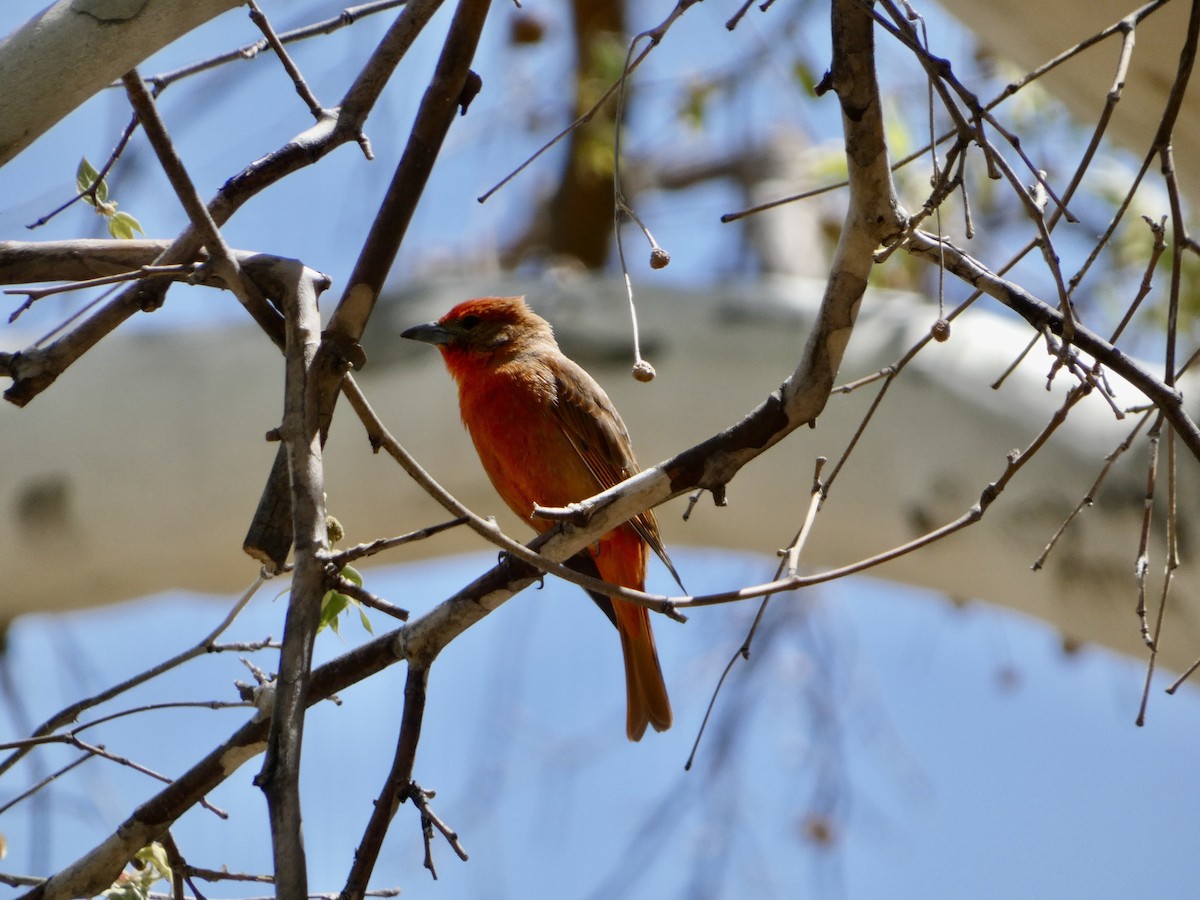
(81, 47)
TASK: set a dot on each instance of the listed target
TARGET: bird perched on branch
(547, 434)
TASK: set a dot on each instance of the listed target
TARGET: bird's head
(484, 328)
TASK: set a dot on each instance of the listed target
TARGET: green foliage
(86, 176)
(94, 191)
(804, 74)
(695, 101)
(604, 63)
(606, 60)
(149, 865)
(123, 225)
(334, 603)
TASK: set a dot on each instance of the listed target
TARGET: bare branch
(259, 18)
(654, 36)
(34, 370)
(268, 538)
(1042, 316)
(224, 264)
(280, 776)
(104, 47)
(348, 16)
(362, 551)
(72, 712)
(398, 786)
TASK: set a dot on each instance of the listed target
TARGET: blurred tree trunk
(576, 221)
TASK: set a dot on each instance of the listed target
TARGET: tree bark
(81, 47)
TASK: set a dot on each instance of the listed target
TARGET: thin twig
(90, 190)
(1141, 564)
(1016, 461)
(1088, 499)
(102, 752)
(348, 16)
(222, 261)
(178, 864)
(399, 786)
(1169, 566)
(1191, 670)
(816, 496)
(138, 710)
(889, 374)
(1123, 26)
(1158, 230)
(179, 272)
(37, 786)
(1042, 316)
(790, 565)
(941, 71)
(420, 799)
(71, 713)
(343, 585)
(362, 551)
(655, 35)
(259, 18)
(659, 258)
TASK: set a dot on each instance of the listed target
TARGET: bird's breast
(511, 416)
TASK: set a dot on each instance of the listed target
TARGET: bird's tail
(646, 692)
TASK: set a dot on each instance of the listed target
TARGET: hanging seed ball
(643, 371)
(659, 258)
(941, 330)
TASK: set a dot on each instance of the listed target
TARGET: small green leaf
(605, 57)
(694, 105)
(804, 74)
(150, 864)
(85, 174)
(85, 177)
(126, 890)
(332, 605)
(156, 856)
(122, 226)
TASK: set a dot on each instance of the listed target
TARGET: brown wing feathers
(601, 441)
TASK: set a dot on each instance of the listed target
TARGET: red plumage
(547, 434)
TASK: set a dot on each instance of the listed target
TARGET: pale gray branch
(106, 40)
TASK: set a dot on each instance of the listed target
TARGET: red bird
(547, 434)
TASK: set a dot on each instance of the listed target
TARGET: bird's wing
(592, 425)
(583, 563)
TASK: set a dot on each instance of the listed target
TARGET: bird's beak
(428, 333)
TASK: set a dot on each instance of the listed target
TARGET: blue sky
(955, 751)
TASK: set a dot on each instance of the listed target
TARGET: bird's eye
(469, 322)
